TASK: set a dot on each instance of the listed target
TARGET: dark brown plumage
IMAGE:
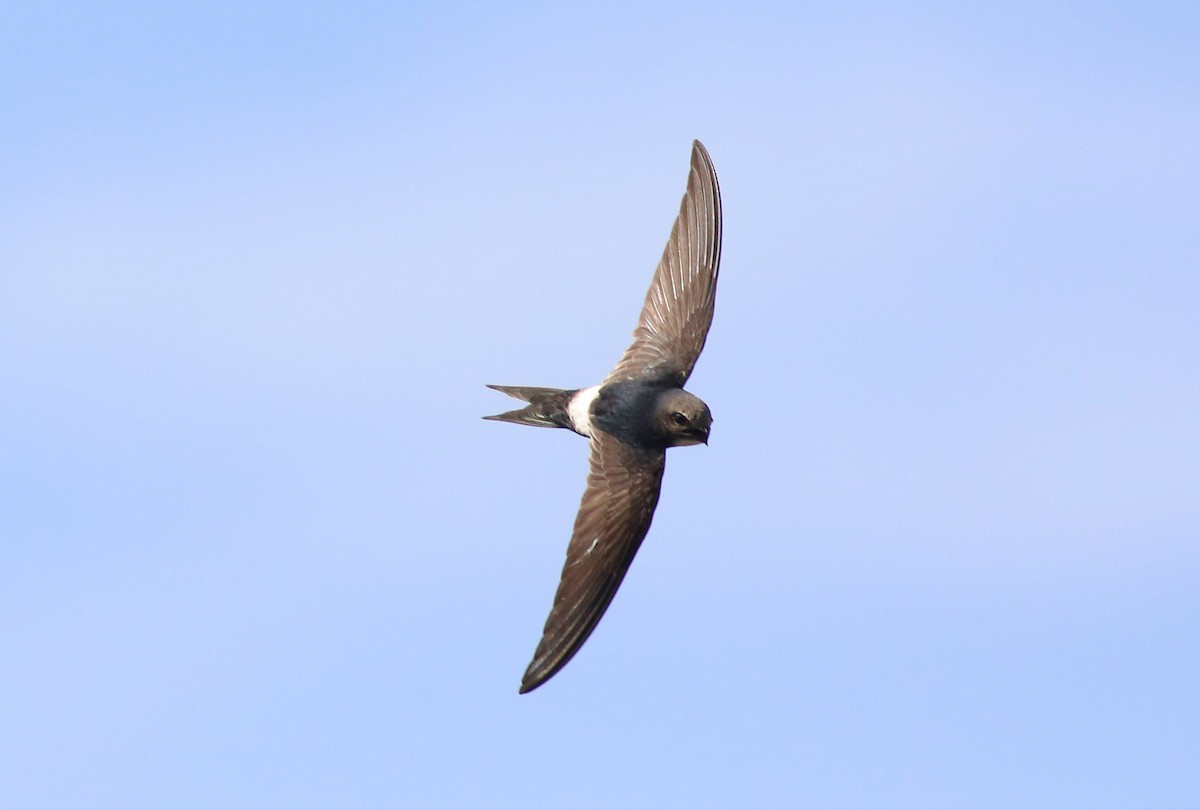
(679, 305)
(631, 418)
(614, 516)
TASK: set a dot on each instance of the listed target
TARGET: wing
(614, 516)
(679, 306)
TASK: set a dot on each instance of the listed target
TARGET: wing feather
(614, 516)
(678, 311)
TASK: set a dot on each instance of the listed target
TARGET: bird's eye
(679, 419)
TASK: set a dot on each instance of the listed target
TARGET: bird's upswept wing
(614, 516)
(679, 306)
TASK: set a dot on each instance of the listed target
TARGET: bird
(630, 419)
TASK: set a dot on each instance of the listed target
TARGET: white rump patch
(579, 409)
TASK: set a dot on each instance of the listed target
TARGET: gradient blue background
(258, 550)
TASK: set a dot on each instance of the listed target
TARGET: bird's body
(631, 418)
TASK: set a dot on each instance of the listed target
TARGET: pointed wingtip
(534, 677)
(529, 683)
(702, 161)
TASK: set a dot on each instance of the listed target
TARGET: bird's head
(682, 418)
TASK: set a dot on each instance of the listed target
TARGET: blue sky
(256, 265)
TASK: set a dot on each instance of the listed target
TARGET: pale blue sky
(257, 549)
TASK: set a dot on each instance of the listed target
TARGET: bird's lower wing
(614, 516)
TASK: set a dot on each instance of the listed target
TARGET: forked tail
(547, 406)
